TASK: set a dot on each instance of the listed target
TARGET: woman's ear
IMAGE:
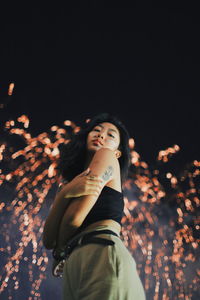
(118, 153)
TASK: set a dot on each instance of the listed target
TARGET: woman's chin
(94, 148)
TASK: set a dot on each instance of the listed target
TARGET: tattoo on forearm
(108, 173)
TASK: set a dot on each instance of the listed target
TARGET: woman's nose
(100, 134)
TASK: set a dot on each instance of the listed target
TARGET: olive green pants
(102, 272)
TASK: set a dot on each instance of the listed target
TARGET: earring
(118, 154)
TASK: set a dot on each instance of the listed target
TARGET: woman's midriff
(108, 222)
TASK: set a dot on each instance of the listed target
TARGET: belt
(88, 238)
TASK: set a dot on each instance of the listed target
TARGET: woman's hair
(73, 154)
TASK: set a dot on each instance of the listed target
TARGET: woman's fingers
(94, 180)
(93, 177)
(93, 190)
(84, 173)
(85, 184)
(93, 187)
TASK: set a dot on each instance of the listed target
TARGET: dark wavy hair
(73, 154)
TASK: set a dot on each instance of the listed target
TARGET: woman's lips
(97, 143)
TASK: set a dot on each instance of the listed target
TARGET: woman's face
(103, 135)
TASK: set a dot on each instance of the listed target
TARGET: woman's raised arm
(79, 186)
(104, 165)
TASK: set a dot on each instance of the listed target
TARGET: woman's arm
(55, 216)
(81, 185)
(104, 165)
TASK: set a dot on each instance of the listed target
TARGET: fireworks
(4, 101)
(160, 226)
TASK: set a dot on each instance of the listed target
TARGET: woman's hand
(84, 184)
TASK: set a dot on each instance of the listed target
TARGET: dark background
(73, 62)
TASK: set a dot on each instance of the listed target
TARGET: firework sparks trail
(161, 229)
(4, 101)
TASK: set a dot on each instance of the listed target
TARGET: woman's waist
(87, 236)
(108, 223)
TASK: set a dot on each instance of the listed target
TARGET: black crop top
(109, 205)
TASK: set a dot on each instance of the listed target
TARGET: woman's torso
(116, 185)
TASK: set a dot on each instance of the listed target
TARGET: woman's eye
(95, 129)
(111, 135)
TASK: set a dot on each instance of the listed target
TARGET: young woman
(84, 224)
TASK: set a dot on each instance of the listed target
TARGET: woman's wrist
(60, 202)
(66, 191)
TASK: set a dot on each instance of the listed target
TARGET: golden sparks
(160, 227)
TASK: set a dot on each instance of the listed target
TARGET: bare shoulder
(106, 156)
(106, 153)
(105, 164)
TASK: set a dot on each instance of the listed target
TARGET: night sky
(71, 63)
(74, 62)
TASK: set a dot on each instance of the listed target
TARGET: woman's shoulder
(106, 153)
(108, 158)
